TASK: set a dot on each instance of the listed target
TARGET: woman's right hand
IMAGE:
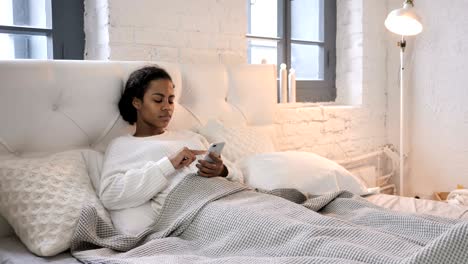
(185, 157)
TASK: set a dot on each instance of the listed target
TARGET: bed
(63, 114)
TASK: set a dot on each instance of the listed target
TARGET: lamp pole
(404, 22)
(402, 45)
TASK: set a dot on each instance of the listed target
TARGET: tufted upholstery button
(55, 107)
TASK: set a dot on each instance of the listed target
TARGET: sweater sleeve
(234, 173)
(124, 189)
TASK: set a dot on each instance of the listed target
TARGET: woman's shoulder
(119, 141)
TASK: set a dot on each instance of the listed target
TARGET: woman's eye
(158, 101)
(171, 101)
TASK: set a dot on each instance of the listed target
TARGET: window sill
(325, 105)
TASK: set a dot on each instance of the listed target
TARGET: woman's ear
(136, 103)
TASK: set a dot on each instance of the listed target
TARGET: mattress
(12, 251)
(421, 206)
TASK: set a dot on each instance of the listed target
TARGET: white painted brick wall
(205, 31)
(213, 31)
(349, 52)
(335, 132)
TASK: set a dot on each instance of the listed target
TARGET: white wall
(437, 97)
(349, 52)
(213, 31)
(203, 31)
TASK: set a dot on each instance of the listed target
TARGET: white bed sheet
(421, 206)
(12, 251)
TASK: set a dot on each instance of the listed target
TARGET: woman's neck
(147, 131)
(142, 134)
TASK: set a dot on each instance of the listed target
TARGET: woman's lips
(165, 118)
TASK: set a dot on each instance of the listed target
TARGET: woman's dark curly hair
(136, 86)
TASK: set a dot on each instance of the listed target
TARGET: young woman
(141, 169)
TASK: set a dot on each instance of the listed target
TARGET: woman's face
(155, 111)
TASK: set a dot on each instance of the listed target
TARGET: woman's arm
(119, 190)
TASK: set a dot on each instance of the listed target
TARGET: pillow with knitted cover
(41, 198)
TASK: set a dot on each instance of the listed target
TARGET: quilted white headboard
(58, 105)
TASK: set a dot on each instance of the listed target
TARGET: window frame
(306, 90)
(65, 37)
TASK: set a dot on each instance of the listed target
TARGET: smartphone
(216, 148)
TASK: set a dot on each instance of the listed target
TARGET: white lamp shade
(404, 21)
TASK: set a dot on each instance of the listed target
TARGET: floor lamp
(405, 22)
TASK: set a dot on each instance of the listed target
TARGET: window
(41, 29)
(300, 33)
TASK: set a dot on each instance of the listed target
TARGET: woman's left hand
(212, 169)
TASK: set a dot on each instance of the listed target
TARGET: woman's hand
(185, 157)
(212, 169)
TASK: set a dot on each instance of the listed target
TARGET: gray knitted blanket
(216, 221)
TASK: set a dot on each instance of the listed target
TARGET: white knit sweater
(137, 176)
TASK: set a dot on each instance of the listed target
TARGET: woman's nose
(166, 105)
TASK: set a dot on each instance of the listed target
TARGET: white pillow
(93, 160)
(241, 141)
(41, 198)
(305, 171)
